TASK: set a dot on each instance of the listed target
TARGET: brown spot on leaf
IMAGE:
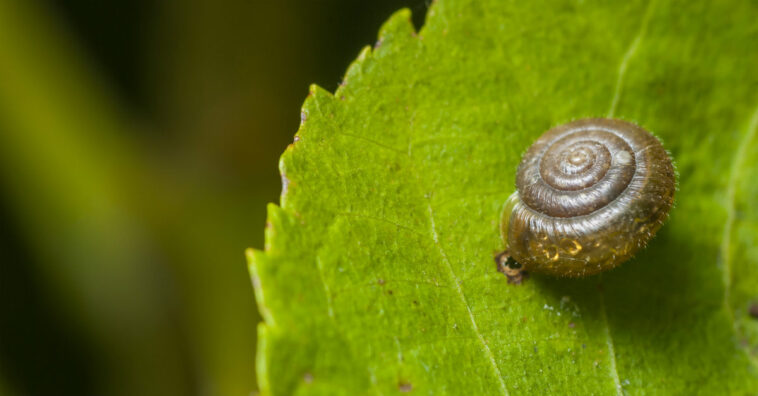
(404, 387)
(308, 378)
(753, 310)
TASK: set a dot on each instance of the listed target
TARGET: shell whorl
(590, 193)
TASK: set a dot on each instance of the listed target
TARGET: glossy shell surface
(590, 194)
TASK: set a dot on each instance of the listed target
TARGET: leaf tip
(249, 252)
(315, 92)
(364, 54)
(399, 24)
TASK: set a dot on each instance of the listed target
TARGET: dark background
(139, 143)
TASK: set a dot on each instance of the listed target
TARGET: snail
(589, 195)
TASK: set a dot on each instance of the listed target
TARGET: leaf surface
(378, 273)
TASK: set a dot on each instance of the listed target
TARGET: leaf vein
(624, 64)
(630, 52)
(372, 141)
(382, 220)
(731, 196)
(611, 349)
(456, 283)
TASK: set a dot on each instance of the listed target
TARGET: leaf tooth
(319, 101)
(399, 27)
(261, 359)
(261, 264)
(316, 98)
(277, 221)
(256, 261)
(395, 32)
(355, 70)
(362, 56)
(317, 93)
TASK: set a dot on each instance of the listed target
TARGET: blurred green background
(139, 144)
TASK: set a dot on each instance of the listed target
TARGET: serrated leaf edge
(399, 23)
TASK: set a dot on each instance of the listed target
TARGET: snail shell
(590, 194)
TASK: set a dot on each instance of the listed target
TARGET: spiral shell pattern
(590, 194)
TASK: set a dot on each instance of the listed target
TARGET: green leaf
(378, 273)
(740, 239)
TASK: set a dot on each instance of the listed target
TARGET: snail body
(590, 194)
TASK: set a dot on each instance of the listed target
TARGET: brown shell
(590, 194)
